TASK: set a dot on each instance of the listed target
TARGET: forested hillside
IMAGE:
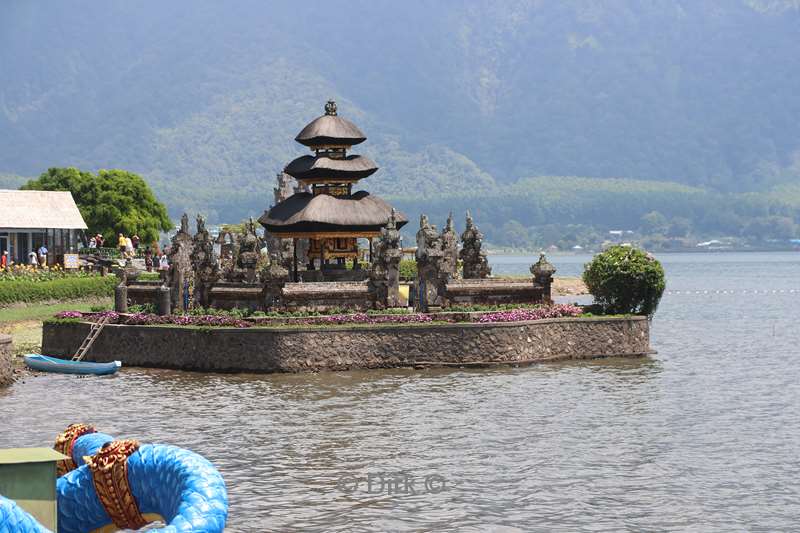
(693, 104)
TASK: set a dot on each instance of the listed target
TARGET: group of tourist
(128, 246)
(153, 256)
(97, 241)
(36, 258)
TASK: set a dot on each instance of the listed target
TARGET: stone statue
(384, 273)
(450, 247)
(180, 263)
(427, 239)
(247, 253)
(330, 108)
(204, 264)
(476, 265)
(286, 187)
(432, 270)
(274, 276)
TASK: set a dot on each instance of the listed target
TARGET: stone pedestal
(164, 304)
(543, 272)
(176, 294)
(121, 298)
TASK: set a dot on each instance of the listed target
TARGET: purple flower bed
(147, 319)
(364, 318)
(69, 314)
(538, 313)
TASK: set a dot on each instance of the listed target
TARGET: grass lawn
(24, 323)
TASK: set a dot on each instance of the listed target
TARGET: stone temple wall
(315, 349)
(6, 366)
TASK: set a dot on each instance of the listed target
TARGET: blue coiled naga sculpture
(119, 482)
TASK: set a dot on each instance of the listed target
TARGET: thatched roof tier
(305, 213)
(351, 168)
(330, 130)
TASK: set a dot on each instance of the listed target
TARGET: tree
(625, 280)
(654, 222)
(111, 202)
(680, 227)
(515, 234)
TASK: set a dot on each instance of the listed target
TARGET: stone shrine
(326, 213)
(475, 263)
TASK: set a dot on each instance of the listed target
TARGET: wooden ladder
(94, 332)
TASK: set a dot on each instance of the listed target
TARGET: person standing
(93, 243)
(42, 255)
(128, 247)
(32, 259)
(135, 241)
(4, 260)
(122, 244)
(148, 259)
(163, 262)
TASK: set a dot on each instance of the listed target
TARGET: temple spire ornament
(330, 108)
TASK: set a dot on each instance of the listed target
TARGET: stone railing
(142, 293)
(237, 295)
(494, 291)
(323, 296)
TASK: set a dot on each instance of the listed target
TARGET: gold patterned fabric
(109, 469)
(64, 443)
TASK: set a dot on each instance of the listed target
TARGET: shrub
(67, 288)
(625, 280)
(408, 269)
(148, 308)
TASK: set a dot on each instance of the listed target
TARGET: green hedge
(24, 290)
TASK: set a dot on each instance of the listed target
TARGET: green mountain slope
(459, 100)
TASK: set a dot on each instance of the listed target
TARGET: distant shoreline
(681, 251)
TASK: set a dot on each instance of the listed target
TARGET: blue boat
(44, 363)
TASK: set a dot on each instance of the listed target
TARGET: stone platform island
(328, 250)
(303, 349)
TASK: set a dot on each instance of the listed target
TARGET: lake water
(703, 436)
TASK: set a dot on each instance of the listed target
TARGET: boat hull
(44, 363)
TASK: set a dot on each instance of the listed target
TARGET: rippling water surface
(703, 436)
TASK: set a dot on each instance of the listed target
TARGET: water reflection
(703, 435)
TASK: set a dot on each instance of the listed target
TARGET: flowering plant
(537, 313)
(69, 314)
(219, 320)
(364, 318)
(32, 273)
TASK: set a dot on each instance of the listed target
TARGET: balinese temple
(326, 211)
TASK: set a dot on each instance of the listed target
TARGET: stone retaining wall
(315, 349)
(6, 366)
